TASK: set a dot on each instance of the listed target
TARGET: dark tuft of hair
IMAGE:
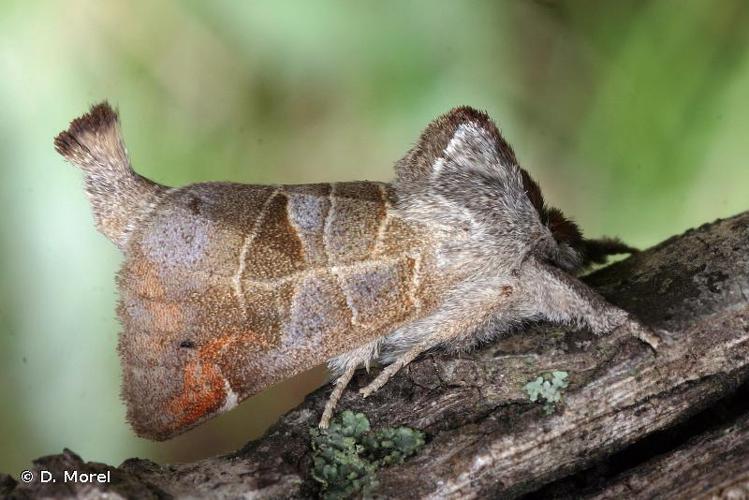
(463, 114)
(596, 251)
(418, 162)
(563, 229)
(101, 117)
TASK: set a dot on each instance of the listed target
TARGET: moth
(227, 289)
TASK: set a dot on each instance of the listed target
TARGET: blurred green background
(632, 115)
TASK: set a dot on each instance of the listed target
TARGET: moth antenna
(597, 250)
(118, 195)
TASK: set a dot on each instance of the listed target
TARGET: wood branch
(710, 466)
(484, 435)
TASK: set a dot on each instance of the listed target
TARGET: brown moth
(228, 288)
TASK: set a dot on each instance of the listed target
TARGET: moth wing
(179, 306)
(228, 289)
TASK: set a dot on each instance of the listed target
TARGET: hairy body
(227, 288)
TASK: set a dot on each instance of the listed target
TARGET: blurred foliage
(631, 114)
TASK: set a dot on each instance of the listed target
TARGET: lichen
(548, 389)
(346, 456)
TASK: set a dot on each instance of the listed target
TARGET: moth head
(567, 248)
(462, 175)
(563, 242)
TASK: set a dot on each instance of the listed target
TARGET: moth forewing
(228, 289)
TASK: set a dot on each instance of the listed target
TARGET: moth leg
(646, 334)
(562, 298)
(345, 365)
(455, 324)
(391, 369)
(335, 396)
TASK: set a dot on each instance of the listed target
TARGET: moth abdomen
(119, 196)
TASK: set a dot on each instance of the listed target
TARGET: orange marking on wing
(203, 386)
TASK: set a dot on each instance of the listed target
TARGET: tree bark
(713, 465)
(631, 422)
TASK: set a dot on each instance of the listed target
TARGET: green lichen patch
(548, 389)
(346, 456)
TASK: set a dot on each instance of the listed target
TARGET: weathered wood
(485, 437)
(715, 465)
